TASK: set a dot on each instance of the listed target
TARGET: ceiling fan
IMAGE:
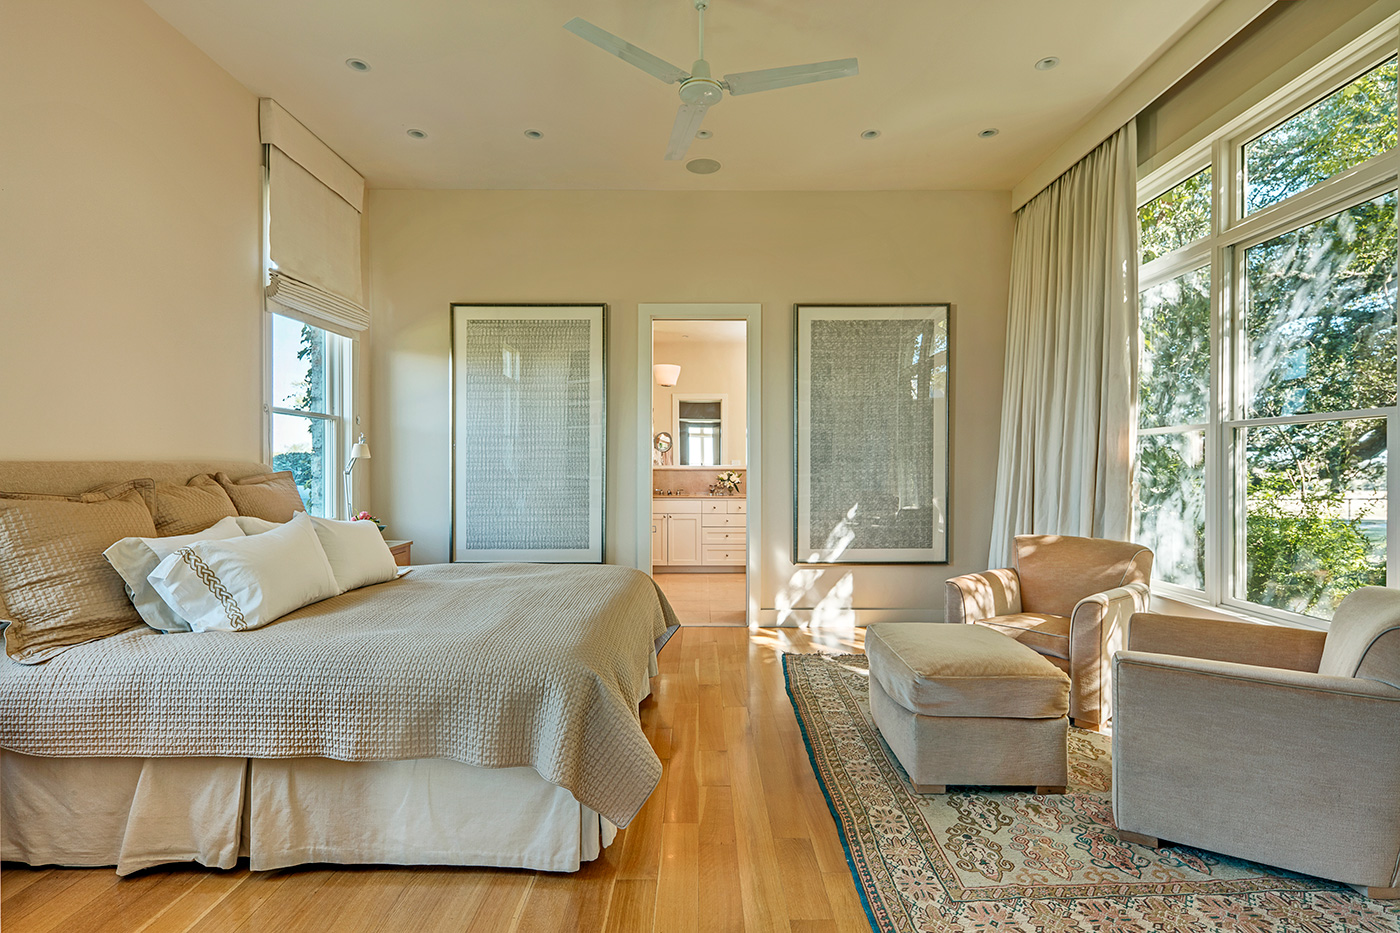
(698, 90)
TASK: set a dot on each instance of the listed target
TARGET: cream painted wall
(708, 367)
(130, 299)
(427, 249)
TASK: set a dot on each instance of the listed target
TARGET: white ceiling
(476, 75)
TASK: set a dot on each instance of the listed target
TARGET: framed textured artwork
(872, 434)
(528, 427)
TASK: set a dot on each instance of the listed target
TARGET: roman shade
(314, 199)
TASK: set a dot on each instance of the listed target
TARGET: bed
(464, 714)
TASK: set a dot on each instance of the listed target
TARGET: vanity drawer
(675, 505)
(724, 555)
(725, 507)
(738, 507)
(722, 520)
(725, 537)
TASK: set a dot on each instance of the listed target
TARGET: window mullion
(1368, 180)
(302, 413)
(1216, 449)
(1312, 417)
(1187, 259)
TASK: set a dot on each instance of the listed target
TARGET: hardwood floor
(737, 837)
(705, 598)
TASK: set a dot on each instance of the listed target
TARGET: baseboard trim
(844, 618)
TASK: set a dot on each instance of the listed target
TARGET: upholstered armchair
(1273, 744)
(1069, 599)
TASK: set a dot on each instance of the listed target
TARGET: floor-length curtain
(1066, 457)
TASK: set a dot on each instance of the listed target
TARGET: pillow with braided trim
(135, 558)
(245, 583)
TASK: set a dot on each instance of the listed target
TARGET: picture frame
(528, 432)
(871, 433)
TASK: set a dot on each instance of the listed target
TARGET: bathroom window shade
(527, 433)
(313, 226)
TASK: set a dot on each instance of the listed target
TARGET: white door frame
(752, 315)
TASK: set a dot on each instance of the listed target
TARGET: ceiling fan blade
(626, 51)
(749, 82)
(688, 120)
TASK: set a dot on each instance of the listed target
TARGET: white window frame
(340, 396)
(1222, 251)
(723, 399)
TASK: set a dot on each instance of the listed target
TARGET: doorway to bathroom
(699, 430)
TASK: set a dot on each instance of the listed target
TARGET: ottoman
(963, 704)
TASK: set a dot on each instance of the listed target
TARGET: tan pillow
(58, 589)
(195, 506)
(270, 496)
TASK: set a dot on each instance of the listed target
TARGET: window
(1179, 217)
(699, 426)
(1268, 352)
(309, 396)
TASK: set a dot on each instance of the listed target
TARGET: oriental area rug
(976, 860)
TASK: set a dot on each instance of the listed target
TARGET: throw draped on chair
(1065, 463)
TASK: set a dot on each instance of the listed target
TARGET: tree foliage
(308, 468)
(1177, 218)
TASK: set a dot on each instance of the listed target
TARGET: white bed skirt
(138, 812)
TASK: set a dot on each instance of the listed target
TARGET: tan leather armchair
(1069, 599)
(1273, 744)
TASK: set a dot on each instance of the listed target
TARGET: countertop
(740, 498)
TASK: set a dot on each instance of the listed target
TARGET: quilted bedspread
(495, 665)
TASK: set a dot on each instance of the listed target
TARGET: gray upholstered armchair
(1069, 599)
(1273, 744)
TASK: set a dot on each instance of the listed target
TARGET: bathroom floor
(705, 598)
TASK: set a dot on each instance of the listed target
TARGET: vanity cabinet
(677, 523)
(698, 532)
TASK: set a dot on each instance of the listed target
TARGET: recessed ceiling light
(702, 166)
(533, 134)
(704, 134)
(357, 64)
(1045, 64)
(870, 134)
(989, 132)
(418, 134)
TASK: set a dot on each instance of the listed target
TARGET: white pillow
(256, 526)
(135, 558)
(246, 583)
(356, 550)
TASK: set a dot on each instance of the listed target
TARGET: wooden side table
(400, 550)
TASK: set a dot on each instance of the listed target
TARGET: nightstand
(400, 550)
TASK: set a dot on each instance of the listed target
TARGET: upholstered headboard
(70, 477)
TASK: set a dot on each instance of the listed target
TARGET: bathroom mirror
(663, 441)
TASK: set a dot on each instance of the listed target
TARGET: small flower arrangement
(729, 481)
(366, 517)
